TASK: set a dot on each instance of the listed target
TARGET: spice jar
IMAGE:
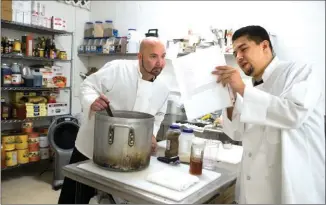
(172, 141)
(63, 55)
(197, 156)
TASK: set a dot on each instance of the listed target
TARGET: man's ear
(265, 45)
(139, 56)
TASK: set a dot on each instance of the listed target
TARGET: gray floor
(25, 185)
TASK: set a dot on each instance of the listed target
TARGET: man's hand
(228, 75)
(154, 144)
(101, 103)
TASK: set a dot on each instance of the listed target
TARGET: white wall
(75, 18)
(299, 25)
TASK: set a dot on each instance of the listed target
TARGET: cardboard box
(6, 14)
(57, 109)
(6, 5)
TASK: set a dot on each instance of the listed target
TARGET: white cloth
(173, 179)
(121, 82)
(281, 126)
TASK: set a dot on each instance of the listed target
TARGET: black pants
(68, 193)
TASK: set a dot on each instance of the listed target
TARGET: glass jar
(197, 156)
(172, 141)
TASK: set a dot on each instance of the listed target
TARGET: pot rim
(102, 115)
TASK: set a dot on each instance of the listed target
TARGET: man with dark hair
(280, 121)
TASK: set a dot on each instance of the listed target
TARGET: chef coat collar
(270, 68)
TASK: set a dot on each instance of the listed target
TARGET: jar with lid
(197, 156)
(186, 137)
(108, 28)
(172, 141)
(98, 29)
(6, 75)
(17, 46)
(16, 77)
(89, 30)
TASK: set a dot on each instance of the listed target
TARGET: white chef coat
(281, 126)
(122, 83)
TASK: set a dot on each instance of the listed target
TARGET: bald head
(150, 42)
(151, 57)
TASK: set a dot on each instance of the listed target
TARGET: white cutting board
(138, 179)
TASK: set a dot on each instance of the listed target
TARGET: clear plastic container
(197, 156)
(88, 47)
(82, 47)
(98, 29)
(133, 41)
(211, 154)
(38, 79)
(185, 140)
(108, 29)
(89, 30)
(172, 141)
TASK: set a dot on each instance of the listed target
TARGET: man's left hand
(228, 75)
(154, 144)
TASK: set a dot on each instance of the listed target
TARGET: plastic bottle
(133, 41)
(172, 141)
(16, 79)
(37, 78)
(6, 75)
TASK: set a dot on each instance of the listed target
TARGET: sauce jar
(172, 141)
(63, 55)
(197, 156)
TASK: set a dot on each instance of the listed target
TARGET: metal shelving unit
(31, 58)
(27, 119)
(32, 88)
(106, 54)
(38, 30)
(32, 28)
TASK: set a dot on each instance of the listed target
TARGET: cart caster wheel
(57, 187)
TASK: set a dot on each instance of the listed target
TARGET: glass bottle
(172, 141)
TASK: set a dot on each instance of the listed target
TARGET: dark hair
(255, 33)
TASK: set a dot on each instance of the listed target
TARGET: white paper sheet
(199, 91)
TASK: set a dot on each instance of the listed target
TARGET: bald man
(130, 85)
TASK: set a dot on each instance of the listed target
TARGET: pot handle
(131, 137)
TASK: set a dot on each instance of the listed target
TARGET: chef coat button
(248, 177)
(249, 154)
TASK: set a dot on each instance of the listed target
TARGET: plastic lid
(109, 21)
(98, 22)
(89, 22)
(187, 130)
(131, 29)
(174, 126)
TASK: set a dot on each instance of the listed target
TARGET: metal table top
(134, 195)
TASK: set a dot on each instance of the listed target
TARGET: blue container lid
(131, 29)
(174, 126)
(108, 21)
(98, 22)
(187, 130)
(89, 22)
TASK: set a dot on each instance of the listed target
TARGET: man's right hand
(101, 103)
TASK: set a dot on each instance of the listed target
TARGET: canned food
(9, 142)
(23, 156)
(34, 156)
(11, 158)
(27, 127)
(45, 153)
(44, 141)
(21, 142)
